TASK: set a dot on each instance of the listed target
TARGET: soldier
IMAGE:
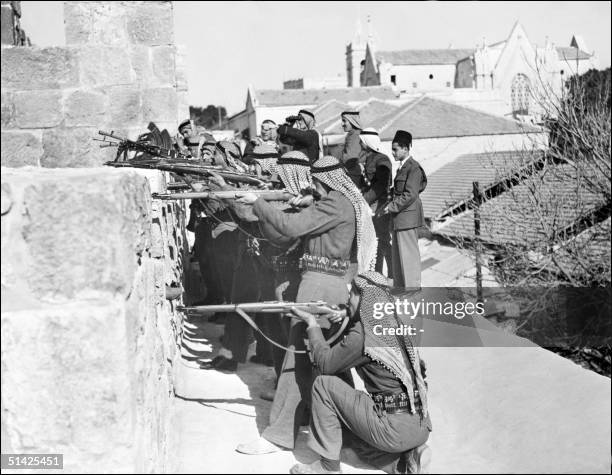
(303, 135)
(284, 253)
(391, 423)
(406, 212)
(377, 172)
(352, 148)
(267, 136)
(339, 241)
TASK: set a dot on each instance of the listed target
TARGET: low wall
(88, 335)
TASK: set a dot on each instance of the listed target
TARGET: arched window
(520, 94)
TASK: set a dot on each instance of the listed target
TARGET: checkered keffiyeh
(293, 168)
(386, 349)
(331, 172)
(266, 154)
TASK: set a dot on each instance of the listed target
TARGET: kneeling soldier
(391, 422)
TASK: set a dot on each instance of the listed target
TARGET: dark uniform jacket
(350, 156)
(406, 207)
(306, 141)
(377, 179)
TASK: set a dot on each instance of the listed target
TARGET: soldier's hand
(246, 198)
(301, 201)
(308, 318)
(217, 179)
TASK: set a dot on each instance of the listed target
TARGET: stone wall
(12, 33)
(118, 71)
(92, 267)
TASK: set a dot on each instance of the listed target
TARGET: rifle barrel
(317, 308)
(280, 195)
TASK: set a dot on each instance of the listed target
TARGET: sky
(230, 45)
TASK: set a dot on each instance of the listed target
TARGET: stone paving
(494, 410)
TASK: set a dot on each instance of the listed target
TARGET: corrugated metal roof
(453, 182)
(430, 118)
(423, 56)
(291, 97)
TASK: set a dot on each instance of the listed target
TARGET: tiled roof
(423, 56)
(569, 53)
(427, 117)
(503, 220)
(368, 112)
(293, 97)
(453, 182)
(592, 245)
(329, 112)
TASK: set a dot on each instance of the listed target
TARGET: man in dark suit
(406, 212)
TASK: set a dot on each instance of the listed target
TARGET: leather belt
(324, 264)
(285, 264)
(394, 403)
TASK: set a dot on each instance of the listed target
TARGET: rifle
(321, 309)
(142, 145)
(268, 195)
(183, 167)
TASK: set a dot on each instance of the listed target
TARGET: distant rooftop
(427, 117)
(294, 97)
(424, 56)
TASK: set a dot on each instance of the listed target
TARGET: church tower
(355, 54)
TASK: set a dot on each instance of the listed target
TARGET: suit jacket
(406, 207)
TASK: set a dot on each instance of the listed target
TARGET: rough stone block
(105, 66)
(7, 20)
(151, 24)
(66, 384)
(85, 108)
(73, 148)
(38, 109)
(84, 231)
(160, 104)
(8, 110)
(39, 68)
(164, 66)
(20, 149)
(124, 105)
(95, 23)
(140, 59)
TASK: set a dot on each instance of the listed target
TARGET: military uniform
(329, 229)
(381, 437)
(350, 157)
(407, 216)
(305, 141)
(377, 180)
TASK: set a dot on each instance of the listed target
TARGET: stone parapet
(88, 336)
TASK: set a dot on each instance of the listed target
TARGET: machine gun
(268, 195)
(329, 316)
(143, 147)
